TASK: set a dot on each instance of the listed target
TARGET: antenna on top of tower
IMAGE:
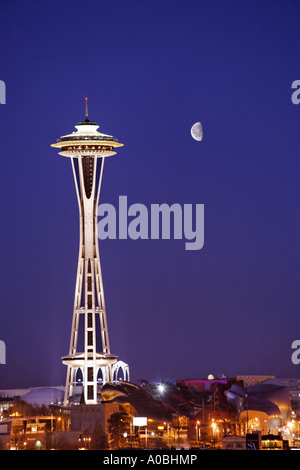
(86, 110)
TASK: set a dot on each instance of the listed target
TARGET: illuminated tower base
(87, 148)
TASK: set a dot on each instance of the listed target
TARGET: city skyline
(150, 72)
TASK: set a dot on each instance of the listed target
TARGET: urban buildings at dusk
(241, 413)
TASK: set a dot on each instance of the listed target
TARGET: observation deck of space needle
(87, 149)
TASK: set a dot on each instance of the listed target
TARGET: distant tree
(22, 408)
(99, 439)
(117, 426)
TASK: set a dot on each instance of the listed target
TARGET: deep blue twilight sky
(150, 70)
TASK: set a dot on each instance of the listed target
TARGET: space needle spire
(86, 110)
(87, 149)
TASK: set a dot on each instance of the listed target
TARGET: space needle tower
(87, 149)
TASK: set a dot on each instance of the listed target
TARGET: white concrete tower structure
(87, 149)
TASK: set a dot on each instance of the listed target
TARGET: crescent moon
(197, 131)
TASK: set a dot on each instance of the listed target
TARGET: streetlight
(168, 432)
(197, 430)
(246, 396)
(214, 427)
